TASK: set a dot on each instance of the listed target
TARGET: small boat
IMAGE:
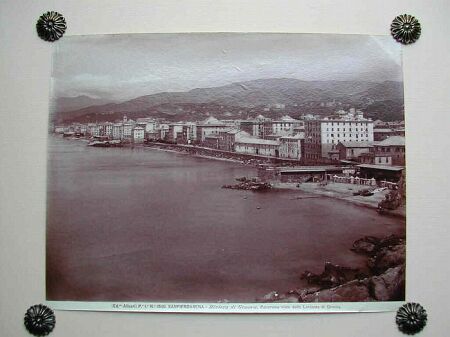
(98, 143)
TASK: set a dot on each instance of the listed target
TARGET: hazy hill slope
(231, 100)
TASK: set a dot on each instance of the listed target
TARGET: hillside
(271, 97)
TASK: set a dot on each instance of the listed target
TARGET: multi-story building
(390, 151)
(117, 131)
(108, 129)
(97, 130)
(353, 150)
(162, 130)
(90, 128)
(210, 126)
(285, 126)
(175, 132)
(138, 134)
(229, 138)
(189, 133)
(128, 127)
(254, 127)
(382, 134)
(291, 146)
(322, 136)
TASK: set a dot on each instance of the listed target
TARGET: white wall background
(25, 66)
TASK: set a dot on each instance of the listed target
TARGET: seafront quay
(244, 158)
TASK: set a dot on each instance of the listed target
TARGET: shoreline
(339, 191)
(196, 155)
(383, 280)
(342, 191)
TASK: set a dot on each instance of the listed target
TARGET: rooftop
(383, 130)
(357, 144)
(250, 140)
(382, 167)
(392, 141)
(211, 121)
(297, 136)
(287, 119)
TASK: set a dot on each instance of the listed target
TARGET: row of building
(343, 136)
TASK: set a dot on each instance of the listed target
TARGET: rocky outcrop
(332, 276)
(390, 285)
(385, 280)
(353, 291)
(387, 257)
(371, 245)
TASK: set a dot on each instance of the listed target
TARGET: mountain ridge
(245, 98)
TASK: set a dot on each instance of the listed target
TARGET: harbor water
(140, 224)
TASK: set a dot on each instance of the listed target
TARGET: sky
(126, 66)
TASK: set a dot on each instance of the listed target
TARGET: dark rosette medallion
(51, 26)
(39, 320)
(411, 318)
(405, 29)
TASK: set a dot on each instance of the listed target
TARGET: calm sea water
(143, 224)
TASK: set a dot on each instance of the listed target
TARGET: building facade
(390, 151)
(285, 126)
(257, 146)
(353, 150)
(138, 134)
(322, 136)
(291, 147)
(117, 131)
(210, 127)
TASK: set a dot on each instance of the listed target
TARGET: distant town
(343, 136)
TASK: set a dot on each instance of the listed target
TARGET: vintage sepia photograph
(226, 168)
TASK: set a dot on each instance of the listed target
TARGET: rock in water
(390, 285)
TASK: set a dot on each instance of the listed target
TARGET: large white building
(323, 135)
(128, 129)
(138, 134)
(108, 129)
(285, 126)
(117, 131)
(210, 127)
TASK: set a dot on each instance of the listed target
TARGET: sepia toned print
(226, 168)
